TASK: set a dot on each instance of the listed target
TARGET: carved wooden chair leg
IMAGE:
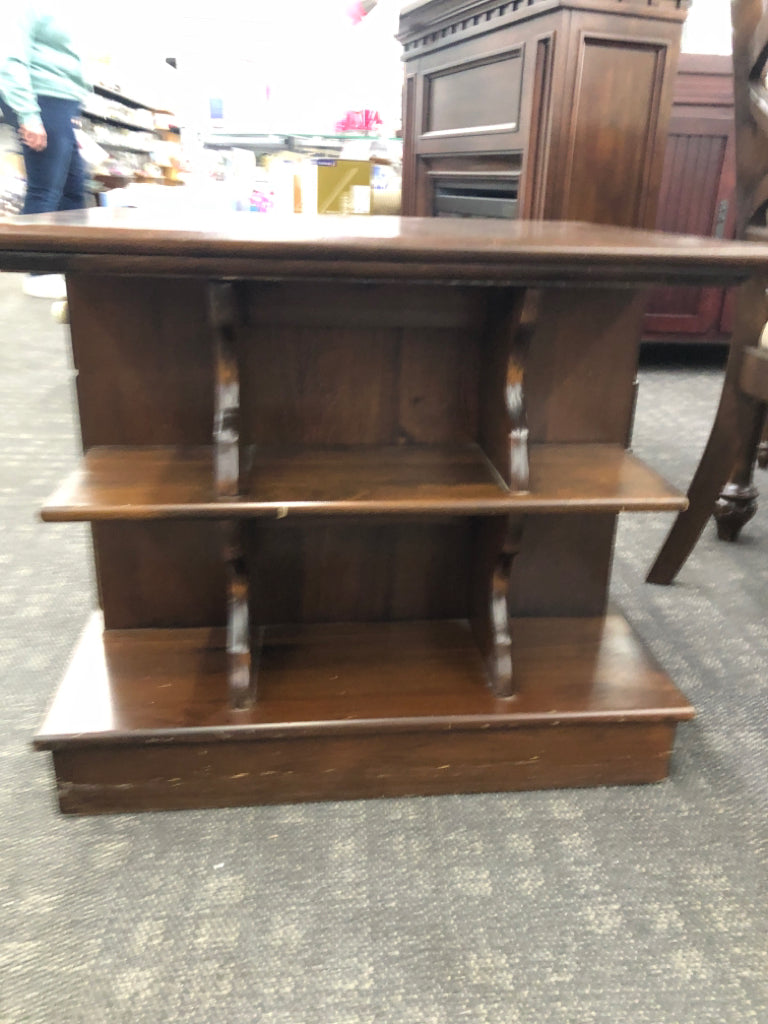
(734, 420)
(762, 448)
(735, 437)
(713, 470)
(737, 503)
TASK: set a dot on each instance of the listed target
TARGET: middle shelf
(178, 482)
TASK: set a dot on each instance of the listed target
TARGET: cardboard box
(334, 186)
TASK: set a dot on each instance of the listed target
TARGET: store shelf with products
(12, 182)
(141, 141)
(117, 95)
(307, 173)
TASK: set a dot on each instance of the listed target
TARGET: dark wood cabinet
(697, 195)
(557, 108)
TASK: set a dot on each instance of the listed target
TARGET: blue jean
(55, 175)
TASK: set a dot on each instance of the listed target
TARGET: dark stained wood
(534, 192)
(156, 483)
(574, 357)
(129, 242)
(328, 678)
(241, 667)
(140, 722)
(384, 306)
(438, 395)
(413, 381)
(582, 91)
(581, 546)
(753, 379)
(152, 574)
(519, 470)
(697, 194)
(143, 359)
(571, 369)
(735, 420)
(739, 421)
(762, 448)
(503, 423)
(361, 570)
(226, 416)
(375, 566)
(704, 80)
(484, 93)
(488, 610)
(614, 122)
(736, 504)
(301, 769)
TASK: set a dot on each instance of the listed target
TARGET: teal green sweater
(38, 57)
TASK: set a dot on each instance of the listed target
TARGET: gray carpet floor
(633, 905)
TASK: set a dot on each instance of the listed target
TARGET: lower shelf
(356, 710)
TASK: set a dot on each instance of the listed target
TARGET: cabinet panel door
(608, 170)
(697, 198)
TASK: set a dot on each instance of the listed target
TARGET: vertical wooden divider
(504, 435)
(241, 678)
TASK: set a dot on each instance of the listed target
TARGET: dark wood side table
(353, 486)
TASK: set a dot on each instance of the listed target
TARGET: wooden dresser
(353, 486)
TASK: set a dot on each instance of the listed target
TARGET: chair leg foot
(733, 510)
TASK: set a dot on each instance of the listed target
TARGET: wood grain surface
(156, 483)
(134, 242)
(142, 722)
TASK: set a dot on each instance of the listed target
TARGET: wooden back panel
(360, 364)
(143, 357)
(359, 570)
(345, 364)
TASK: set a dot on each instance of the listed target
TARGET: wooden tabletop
(178, 242)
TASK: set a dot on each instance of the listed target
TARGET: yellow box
(336, 182)
(334, 186)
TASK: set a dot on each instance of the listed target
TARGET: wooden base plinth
(354, 710)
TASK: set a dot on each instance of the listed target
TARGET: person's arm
(15, 81)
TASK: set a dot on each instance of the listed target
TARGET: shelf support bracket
(514, 392)
(497, 543)
(511, 322)
(504, 436)
(226, 417)
(241, 674)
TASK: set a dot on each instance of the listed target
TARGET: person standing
(42, 86)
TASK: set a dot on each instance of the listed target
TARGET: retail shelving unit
(353, 485)
(125, 127)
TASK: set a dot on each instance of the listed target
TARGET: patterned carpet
(637, 905)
